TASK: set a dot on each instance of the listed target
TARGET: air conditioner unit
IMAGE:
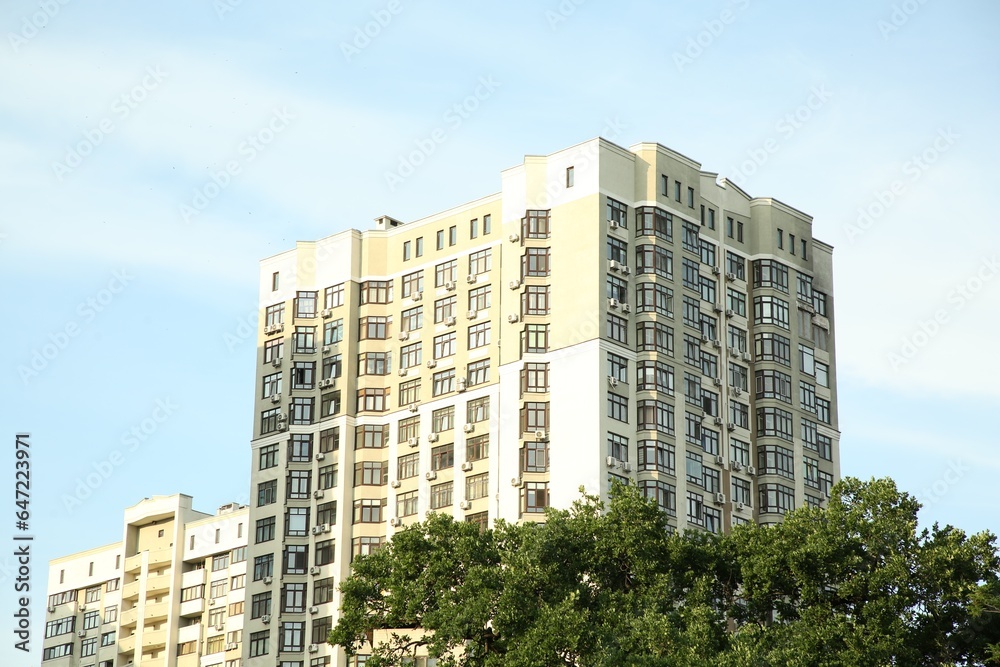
(514, 284)
(417, 296)
(461, 384)
(717, 381)
(414, 407)
(730, 276)
(512, 319)
(51, 610)
(220, 627)
(320, 456)
(268, 329)
(317, 494)
(327, 312)
(231, 646)
(625, 270)
(471, 278)
(718, 421)
(467, 466)
(612, 225)
(746, 356)
(613, 303)
(81, 633)
(402, 372)
(325, 528)
(720, 460)
(449, 321)
(82, 607)
(737, 391)
(514, 481)
(314, 648)
(704, 338)
(404, 335)
(469, 428)
(282, 426)
(432, 363)
(733, 352)
(431, 475)
(268, 580)
(315, 530)
(729, 312)
(626, 466)
(612, 381)
(450, 286)
(612, 462)
(432, 437)
(276, 362)
(737, 465)
(716, 343)
(541, 436)
(326, 349)
(413, 442)
(395, 522)
(740, 507)
(472, 314)
(715, 271)
(626, 308)
(731, 426)
(282, 416)
(465, 505)
(314, 569)
(613, 265)
(265, 619)
(514, 238)
(276, 398)
(313, 610)
(751, 471)
(718, 307)
(395, 484)
(720, 499)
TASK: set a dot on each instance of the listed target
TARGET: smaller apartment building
(169, 594)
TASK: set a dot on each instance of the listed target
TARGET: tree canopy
(854, 584)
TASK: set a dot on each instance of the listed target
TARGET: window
(412, 319)
(769, 273)
(408, 428)
(656, 456)
(373, 399)
(536, 225)
(444, 345)
(406, 504)
(303, 373)
(305, 340)
(707, 253)
(329, 440)
(443, 456)
(480, 262)
(534, 497)
(692, 312)
(807, 360)
(264, 530)
(297, 521)
(269, 420)
(263, 566)
(739, 232)
(452, 235)
(617, 213)
(534, 456)
(654, 337)
(690, 240)
(773, 384)
(267, 492)
(408, 466)
(617, 250)
(237, 582)
(695, 508)
(333, 332)
(374, 363)
(707, 287)
(271, 385)
(297, 484)
(776, 498)
(368, 510)
(273, 350)
(781, 239)
(534, 417)
(570, 176)
(302, 410)
(822, 374)
(739, 414)
(371, 473)
(773, 347)
(327, 477)
(60, 626)
(479, 335)
(664, 494)
(823, 410)
(774, 422)
(677, 191)
(111, 613)
(653, 221)
(736, 301)
(444, 309)
(535, 338)
(654, 298)
(373, 328)
(655, 416)
(536, 262)
(711, 218)
(371, 436)
(442, 495)
(323, 591)
(477, 410)
(807, 396)
(478, 372)
(443, 382)
(409, 392)
(446, 272)
(618, 446)
(220, 562)
(296, 559)
(477, 448)
(413, 283)
(406, 250)
(770, 310)
(274, 315)
(477, 486)
(738, 376)
(654, 259)
(320, 631)
(690, 198)
(655, 376)
(690, 276)
(618, 407)
(259, 643)
(535, 300)
(616, 329)
(376, 291)
(479, 298)
(305, 304)
(487, 224)
(59, 651)
(535, 378)
(88, 647)
(326, 513)
(443, 419)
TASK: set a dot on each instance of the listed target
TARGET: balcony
(130, 591)
(160, 557)
(155, 612)
(133, 563)
(129, 617)
(126, 644)
(153, 640)
(189, 633)
(158, 584)
(193, 607)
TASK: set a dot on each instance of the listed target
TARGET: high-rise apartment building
(611, 314)
(170, 594)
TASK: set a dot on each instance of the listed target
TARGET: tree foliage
(855, 584)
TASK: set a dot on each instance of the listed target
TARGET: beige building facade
(611, 314)
(170, 594)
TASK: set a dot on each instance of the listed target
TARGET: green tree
(854, 584)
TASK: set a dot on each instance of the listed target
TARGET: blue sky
(878, 118)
